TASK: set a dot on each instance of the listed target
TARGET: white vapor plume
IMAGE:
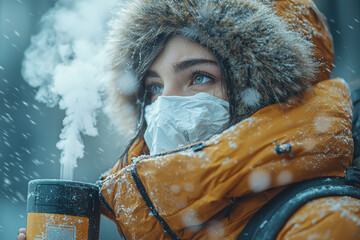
(66, 62)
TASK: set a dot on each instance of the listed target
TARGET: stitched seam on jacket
(196, 147)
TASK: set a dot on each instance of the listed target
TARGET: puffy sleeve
(137, 148)
(326, 218)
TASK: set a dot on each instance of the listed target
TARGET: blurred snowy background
(29, 130)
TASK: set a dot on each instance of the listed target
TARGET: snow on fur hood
(276, 48)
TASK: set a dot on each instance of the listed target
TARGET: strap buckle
(352, 175)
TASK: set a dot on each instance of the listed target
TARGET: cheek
(220, 92)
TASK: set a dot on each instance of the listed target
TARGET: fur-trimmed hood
(273, 49)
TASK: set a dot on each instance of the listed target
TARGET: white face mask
(174, 121)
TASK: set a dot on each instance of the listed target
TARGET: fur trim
(267, 62)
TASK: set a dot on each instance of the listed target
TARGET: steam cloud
(66, 62)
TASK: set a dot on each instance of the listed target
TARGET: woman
(233, 104)
(256, 54)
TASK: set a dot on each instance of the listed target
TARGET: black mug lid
(63, 197)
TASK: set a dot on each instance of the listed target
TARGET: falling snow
(284, 178)
(251, 97)
(259, 180)
(20, 196)
(37, 162)
(17, 33)
(7, 181)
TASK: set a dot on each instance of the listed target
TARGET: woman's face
(184, 68)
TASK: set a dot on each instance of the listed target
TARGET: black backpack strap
(272, 217)
(355, 96)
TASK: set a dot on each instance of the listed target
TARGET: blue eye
(200, 79)
(156, 90)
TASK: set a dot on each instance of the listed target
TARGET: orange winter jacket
(192, 187)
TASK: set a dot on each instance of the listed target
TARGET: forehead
(179, 49)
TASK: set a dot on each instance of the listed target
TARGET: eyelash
(198, 73)
(149, 89)
(192, 76)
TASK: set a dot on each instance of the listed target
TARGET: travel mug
(62, 210)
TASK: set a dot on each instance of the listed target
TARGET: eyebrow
(191, 62)
(182, 66)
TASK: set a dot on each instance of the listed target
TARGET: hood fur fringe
(267, 62)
